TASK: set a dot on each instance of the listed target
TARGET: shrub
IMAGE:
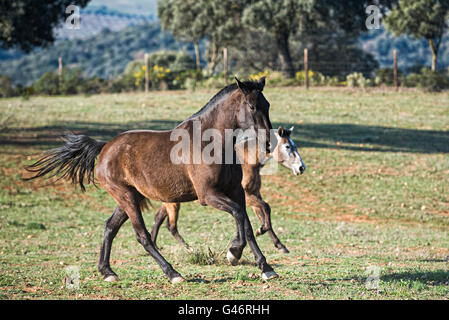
(92, 86)
(168, 70)
(357, 79)
(428, 80)
(71, 82)
(315, 78)
(276, 79)
(188, 79)
(190, 84)
(47, 84)
(204, 257)
(7, 88)
(386, 76)
(332, 81)
(257, 76)
(214, 82)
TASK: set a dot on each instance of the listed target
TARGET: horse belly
(173, 187)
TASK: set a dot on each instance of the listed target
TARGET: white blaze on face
(298, 163)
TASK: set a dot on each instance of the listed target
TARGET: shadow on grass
(432, 278)
(322, 135)
(371, 138)
(49, 136)
(201, 280)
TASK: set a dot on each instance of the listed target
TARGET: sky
(142, 7)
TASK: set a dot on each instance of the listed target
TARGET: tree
(421, 19)
(181, 18)
(224, 22)
(280, 18)
(25, 24)
(285, 18)
(192, 20)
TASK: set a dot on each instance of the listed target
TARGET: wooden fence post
(147, 74)
(60, 66)
(59, 72)
(306, 67)
(225, 64)
(60, 69)
(395, 69)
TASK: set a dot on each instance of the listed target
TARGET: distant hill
(103, 55)
(139, 7)
(96, 19)
(114, 32)
(411, 52)
(114, 15)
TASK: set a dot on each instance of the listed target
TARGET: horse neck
(220, 116)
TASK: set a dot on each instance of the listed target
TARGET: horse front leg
(255, 202)
(223, 202)
(158, 220)
(170, 210)
(235, 204)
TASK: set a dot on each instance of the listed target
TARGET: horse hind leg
(277, 243)
(172, 223)
(129, 199)
(263, 211)
(112, 226)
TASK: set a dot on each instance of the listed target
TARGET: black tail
(74, 160)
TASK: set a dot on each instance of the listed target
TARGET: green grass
(375, 195)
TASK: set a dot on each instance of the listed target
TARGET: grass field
(374, 198)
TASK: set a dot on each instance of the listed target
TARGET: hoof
(111, 278)
(283, 250)
(178, 279)
(269, 275)
(232, 260)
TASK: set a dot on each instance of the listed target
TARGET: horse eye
(250, 105)
(287, 147)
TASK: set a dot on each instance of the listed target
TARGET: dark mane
(226, 90)
(254, 85)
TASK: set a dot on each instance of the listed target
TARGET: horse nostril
(301, 169)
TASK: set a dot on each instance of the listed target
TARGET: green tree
(280, 18)
(421, 19)
(284, 18)
(192, 20)
(182, 19)
(223, 20)
(25, 24)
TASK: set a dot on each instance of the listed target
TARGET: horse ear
(291, 129)
(281, 131)
(242, 86)
(262, 82)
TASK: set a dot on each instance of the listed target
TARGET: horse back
(141, 159)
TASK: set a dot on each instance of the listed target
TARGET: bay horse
(285, 153)
(137, 165)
